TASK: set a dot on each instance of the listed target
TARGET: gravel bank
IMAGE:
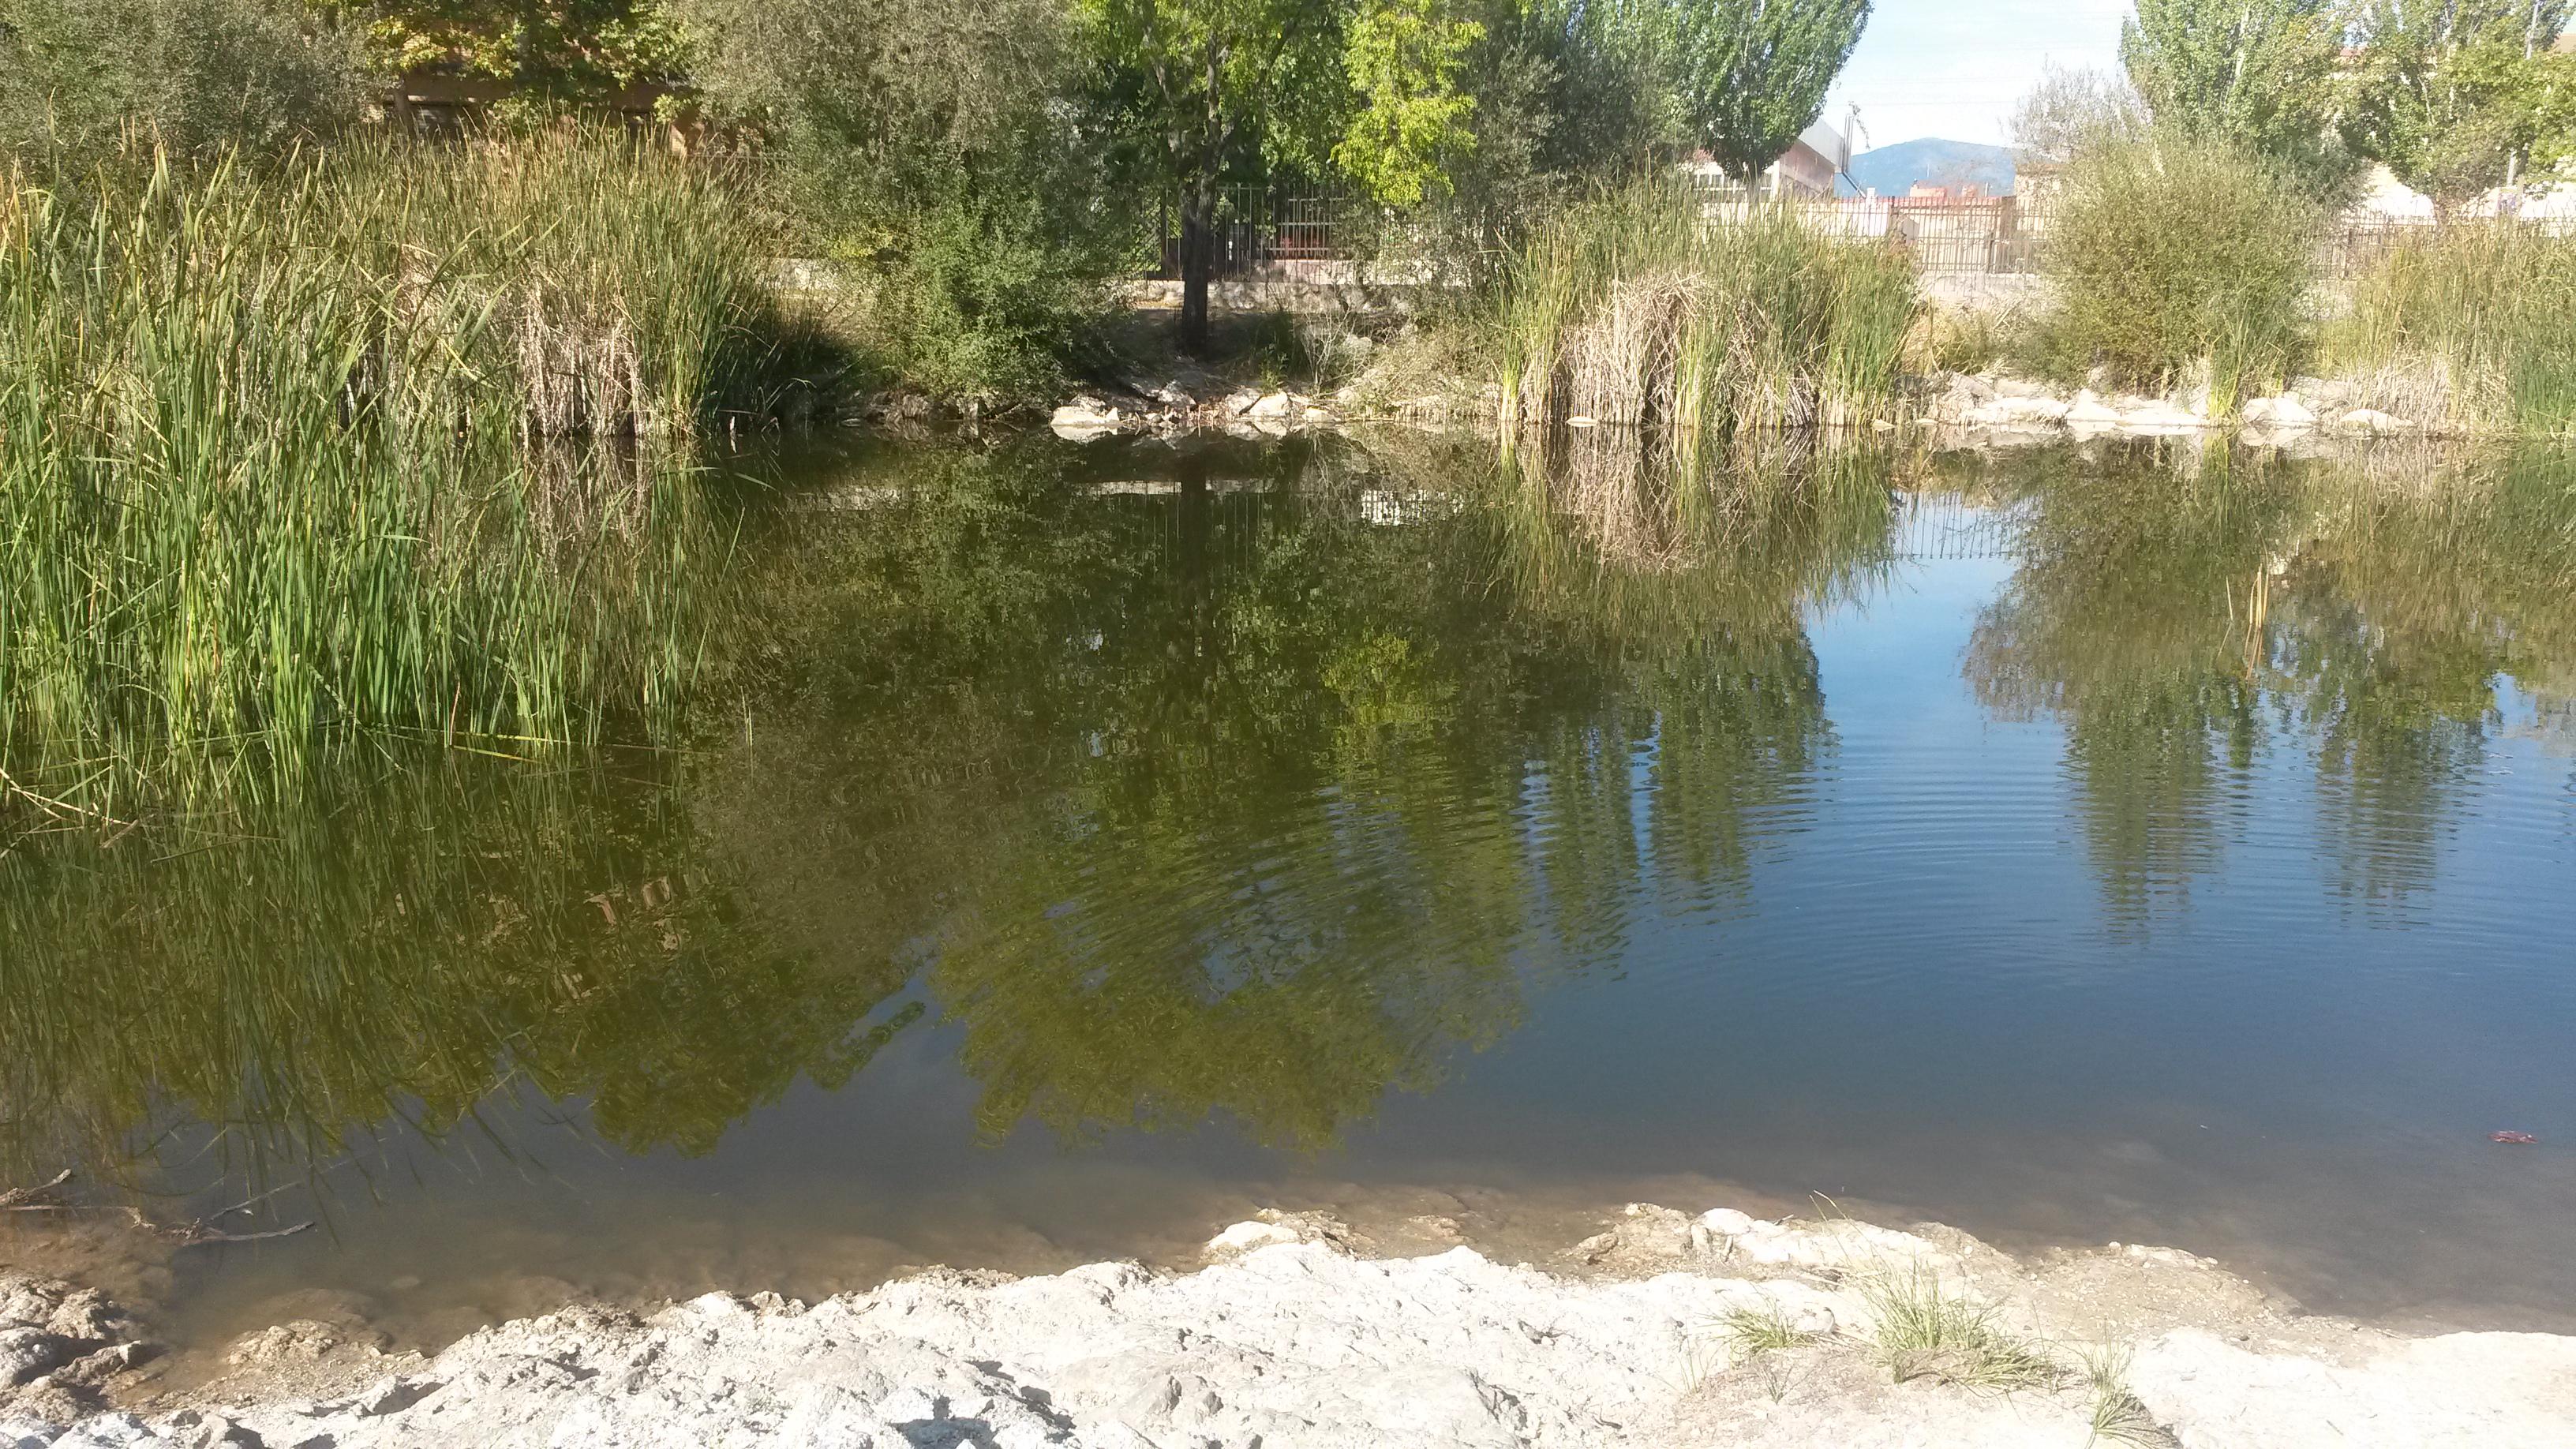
(1666, 1330)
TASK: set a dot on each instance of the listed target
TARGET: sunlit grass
(273, 448)
(1924, 1330)
(2468, 325)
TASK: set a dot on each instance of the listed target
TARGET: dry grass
(2118, 1415)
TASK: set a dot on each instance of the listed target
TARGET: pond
(1074, 848)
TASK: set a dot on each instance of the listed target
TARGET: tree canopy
(2452, 97)
(1750, 75)
(2261, 75)
(1199, 92)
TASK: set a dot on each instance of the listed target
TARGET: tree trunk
(1198, 260)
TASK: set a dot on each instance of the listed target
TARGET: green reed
(270, 448)
(2468, 325)
(1659, 308)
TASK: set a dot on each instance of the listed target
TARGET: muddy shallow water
(1075, 848)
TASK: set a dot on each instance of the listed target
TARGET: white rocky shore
(2003, 404)
(1993, 407)
(1667, 1330)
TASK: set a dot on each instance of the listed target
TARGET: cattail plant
(353, 440)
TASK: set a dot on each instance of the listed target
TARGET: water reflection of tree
(1332, 787)
(1182, 798)
(2135, 614)
(2178, 624)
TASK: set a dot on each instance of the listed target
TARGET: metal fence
(1285, 234)
(1265, 233)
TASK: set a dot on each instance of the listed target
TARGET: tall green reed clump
(2180, 263)
(2469, 323)
(1661, 308)
(266, 457)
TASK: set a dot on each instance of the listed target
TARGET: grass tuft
(2119, 1416)
(1751, 1332)
(1924, 1331)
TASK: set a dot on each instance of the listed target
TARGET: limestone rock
(2286, 411)
(2020, 412)
(2091, 413)
(2463, 1391)
(1085, 417)
(2372, 422)
(1300, 1342)
(27, 1352)
(2157, 416)
(1246, 1236)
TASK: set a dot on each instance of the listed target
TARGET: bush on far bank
(79, 78)
(2180, 263)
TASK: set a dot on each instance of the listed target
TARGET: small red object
(2514, 1139)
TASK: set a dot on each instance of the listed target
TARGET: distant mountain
(1896, 170)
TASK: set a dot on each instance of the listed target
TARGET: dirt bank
(1664, 1330)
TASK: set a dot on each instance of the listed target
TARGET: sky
(1954, 68)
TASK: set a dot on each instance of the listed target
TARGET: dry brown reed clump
(1651, 309)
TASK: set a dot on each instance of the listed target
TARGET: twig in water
(34, 1199)
(198, 1232)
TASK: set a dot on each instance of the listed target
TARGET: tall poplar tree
(1750, 75)
(2451, 96)
(2261, 75)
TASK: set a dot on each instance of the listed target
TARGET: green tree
(2553, 131)
(1749, 75)
(921, 143)
(1203, 91)
(545, 49)
(2260, 75)
(1404, 60)
(2451, 97)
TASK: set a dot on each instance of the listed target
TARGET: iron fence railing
(1285, 234)
(1264, 232)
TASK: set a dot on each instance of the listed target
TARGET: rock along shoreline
(1664, 1330)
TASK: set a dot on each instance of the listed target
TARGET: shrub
(77, 76)
(984, 298)
(2474, 317)
(2178, 262)
(926, 147)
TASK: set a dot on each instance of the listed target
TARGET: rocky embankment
(1665, 1330)
(1998, 407)
(2001, 403)
(1248, 412)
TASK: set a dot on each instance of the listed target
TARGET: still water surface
(1079, 847)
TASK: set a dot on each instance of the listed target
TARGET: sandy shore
(1665, 1330)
